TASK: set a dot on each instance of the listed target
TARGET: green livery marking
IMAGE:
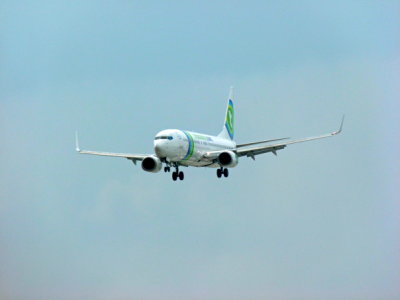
(190, 151)
(230, 119)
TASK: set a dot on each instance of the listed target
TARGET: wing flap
(260, 142)
(261, 150)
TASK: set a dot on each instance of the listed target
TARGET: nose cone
(163, 143)
(159, 148)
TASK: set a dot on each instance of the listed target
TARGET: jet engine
(228, 159)
(151, 164)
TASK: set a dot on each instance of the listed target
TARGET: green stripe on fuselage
(191, 145)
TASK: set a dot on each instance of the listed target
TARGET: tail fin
(228, 131)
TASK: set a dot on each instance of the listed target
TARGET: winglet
(77, 142)
(340, 128)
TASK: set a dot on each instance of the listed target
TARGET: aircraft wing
(252, 151)
(245, 150)
(133, 157)
(259, 142)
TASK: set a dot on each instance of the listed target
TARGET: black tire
(226, 172)
(174, 176)
(165, 170)
(181, 175)
(219, 173)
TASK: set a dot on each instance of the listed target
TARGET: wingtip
(77, 142)
(341, 124)
(340, 128)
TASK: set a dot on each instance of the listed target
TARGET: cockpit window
(164, 137)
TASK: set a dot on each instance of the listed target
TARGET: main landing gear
(221, 172)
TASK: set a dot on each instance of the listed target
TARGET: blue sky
(320, 221)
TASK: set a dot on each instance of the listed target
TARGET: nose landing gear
(177, 174)
(222, 171)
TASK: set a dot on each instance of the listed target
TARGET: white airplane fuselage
(188, 148)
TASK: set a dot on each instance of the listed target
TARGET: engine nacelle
(228, 159)
(151, 164)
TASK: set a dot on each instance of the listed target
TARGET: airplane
(176, 148)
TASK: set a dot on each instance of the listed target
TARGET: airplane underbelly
(207, 164)
(197, 159)
(191, 153)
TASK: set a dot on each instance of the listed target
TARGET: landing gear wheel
(181, 175)
(174, 176)
(168, 169)
(165, 169)
(226, 172)
(219, 173)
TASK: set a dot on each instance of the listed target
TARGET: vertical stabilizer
(228, 131)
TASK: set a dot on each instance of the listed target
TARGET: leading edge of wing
(112, 154)
(251, 151)
(130, 156)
